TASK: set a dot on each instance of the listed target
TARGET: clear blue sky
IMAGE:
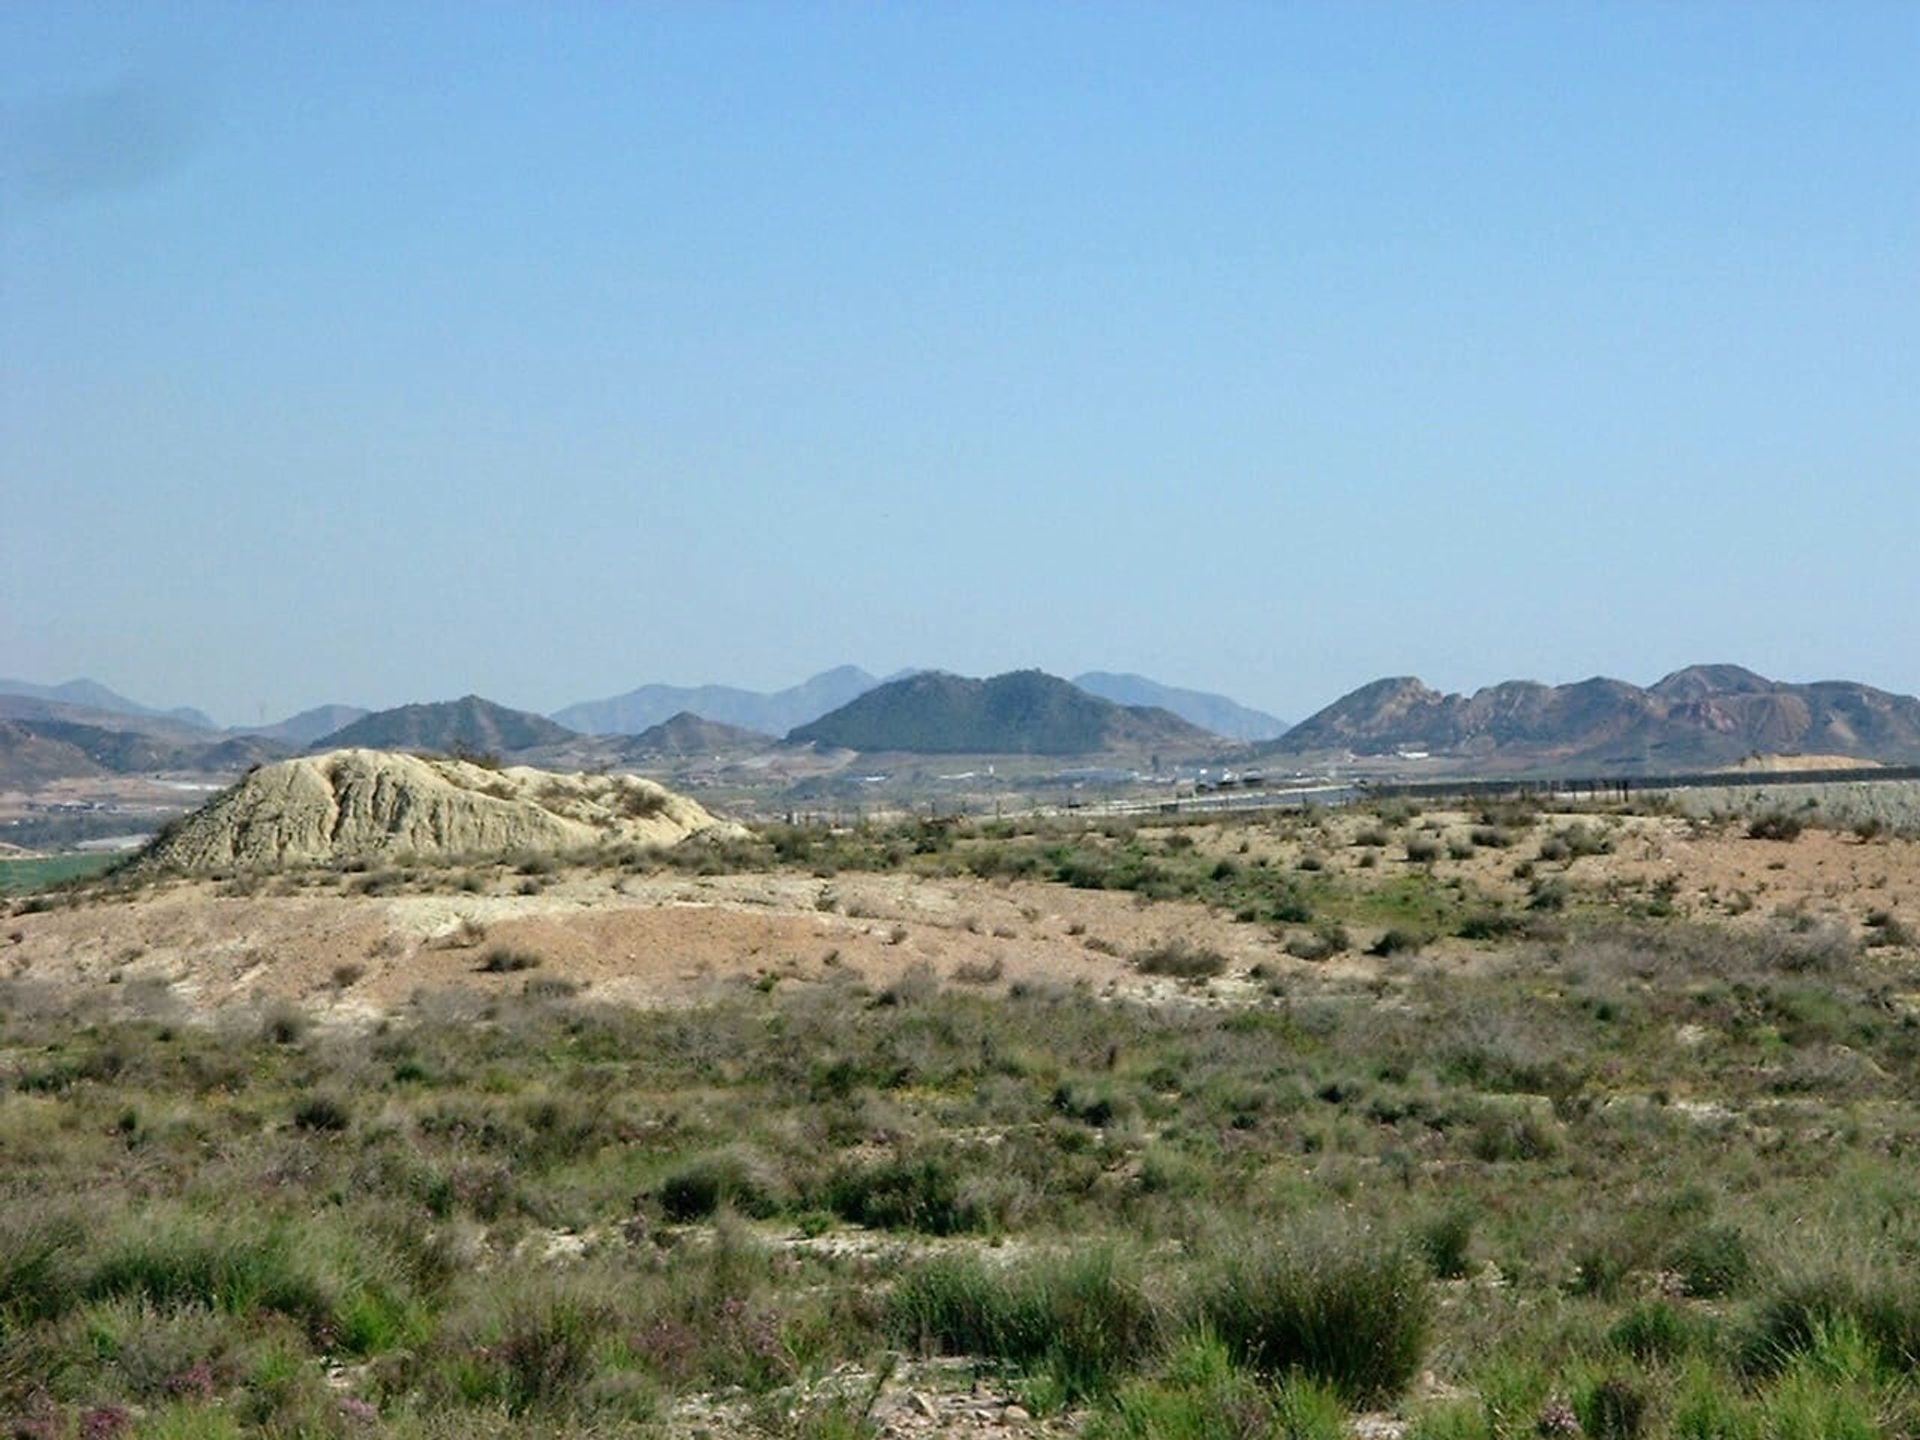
(387, 352)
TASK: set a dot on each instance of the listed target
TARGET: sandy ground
(651, 940)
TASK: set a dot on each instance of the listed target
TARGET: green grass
(43, 872)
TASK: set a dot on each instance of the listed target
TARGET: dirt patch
(653, 940)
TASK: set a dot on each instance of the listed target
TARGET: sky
(380, 353)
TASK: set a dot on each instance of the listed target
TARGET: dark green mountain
(687, 734)
(1026, 712)
(469, 723)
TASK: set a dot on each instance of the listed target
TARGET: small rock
(920, 1404)
(1015, 1415)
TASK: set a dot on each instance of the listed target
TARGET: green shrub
(906, 1193)
(1352, 1313)
(1712, 1261)
(1445, 1241)
(1654, 1331)
(322, 1113)
(1801, 1315)
(42, 1260)
(731, 1177)
(543, 1358)
(228, 1266)
(1612, 1408)
(1201, 1395)
(1180, 960)
(1083, 1320)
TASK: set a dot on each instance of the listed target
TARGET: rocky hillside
(470, 723)
(1026, 712)
(47, 740)
(348, 803)
(1705, 715)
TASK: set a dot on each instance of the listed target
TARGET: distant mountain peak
(1023, 712)
(95, 696)
(1215, 713)
(771, 713)
(472, 722)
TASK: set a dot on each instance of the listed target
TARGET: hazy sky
(388, 352)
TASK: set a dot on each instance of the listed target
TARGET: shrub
(1888, 929)
(1713, 1261)
(1201, 1395)
(979, 972)
(908, 1193)
(502, 960)
(322, 1113)
(41, 1262)
(1310, 947)
(1083, 1320)
(1445, 1242)
(224, 1267)
(545, 1355)
(1181, 960)
(1775, 825)
(639, 802)
(1398, 941)
(1612, 1408)
(1798, 1316)
(1491, 925)
(1422, 850)
(1652, 1332)
(734, 1178)
(284, 1025)
(1353, 1315)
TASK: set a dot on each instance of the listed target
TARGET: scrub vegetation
(1618, 1172)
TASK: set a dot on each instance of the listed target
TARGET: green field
(24, 877)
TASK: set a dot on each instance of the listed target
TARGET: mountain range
(309, 725)
(92, 695)
(1215, 713)
(1702, 716)
(771, 713)
(1026, 712)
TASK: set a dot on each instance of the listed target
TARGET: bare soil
(669, 939)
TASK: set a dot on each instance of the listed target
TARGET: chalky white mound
(349, 803)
